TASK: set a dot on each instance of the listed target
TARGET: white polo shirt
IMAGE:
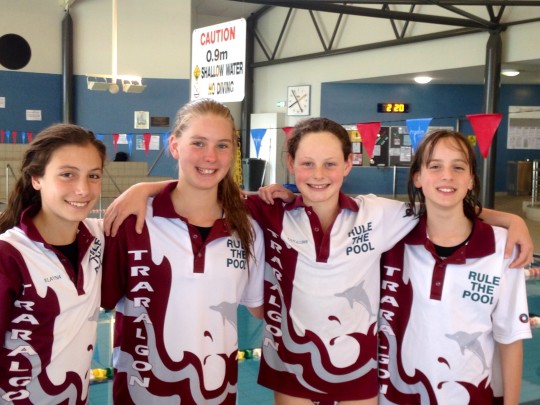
(176, 298)
(441, 318)
(322, 295)
(47, 317)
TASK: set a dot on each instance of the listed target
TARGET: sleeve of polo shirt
(255, 207)
(253, 293)
(10, 282)
(114, 279)
(510, 317)
(395, 222)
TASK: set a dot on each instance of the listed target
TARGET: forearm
(499, 218)
(511, 365)
(518, 235)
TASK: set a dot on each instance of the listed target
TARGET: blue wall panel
(30, 91)
(102, 112)
(448, 105)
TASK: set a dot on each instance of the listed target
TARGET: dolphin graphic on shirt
(357, 294)
(227, 311)
(469, 341)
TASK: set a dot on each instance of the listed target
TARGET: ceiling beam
(319, 5)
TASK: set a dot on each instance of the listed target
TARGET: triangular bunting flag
(288, 132)
(417, 128)
(129, 138)
(484, 127)
(165, 139)
(257, 135)
(368, 133)
(115, 141)
(147, 139)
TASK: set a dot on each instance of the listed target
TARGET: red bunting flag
(14, 136)
(147, 139)
(115, 141)
(29, 136)
(368, 132)
(484, 127)
(2, 135)
(288, 132)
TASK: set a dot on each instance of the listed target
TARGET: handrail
(154, 163)
(9, 169)
(535, 179)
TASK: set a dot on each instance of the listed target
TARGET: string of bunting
(484, 127)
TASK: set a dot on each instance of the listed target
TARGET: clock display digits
(399, 108)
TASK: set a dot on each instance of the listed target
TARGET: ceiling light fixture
(510, 72)
(99, 82)
(130, 84)
(423, 79)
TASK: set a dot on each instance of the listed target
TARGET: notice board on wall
(399, 148)
(523, 127)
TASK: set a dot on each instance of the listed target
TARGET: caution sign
(218, 61)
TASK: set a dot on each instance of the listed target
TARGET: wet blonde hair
(229, 194)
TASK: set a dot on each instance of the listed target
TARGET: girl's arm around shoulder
(275, 191)
(115, 264)
(518, 235)
(261, 205)
(131, 201)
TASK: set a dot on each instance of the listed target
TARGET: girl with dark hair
(50, 269)
(448, 289)
(177, 286)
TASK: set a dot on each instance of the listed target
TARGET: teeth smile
(78, 204)
(446, 190)
(318, 186)
(206, 171)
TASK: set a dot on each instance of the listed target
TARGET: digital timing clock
(393, 107)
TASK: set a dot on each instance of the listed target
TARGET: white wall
(154, 36)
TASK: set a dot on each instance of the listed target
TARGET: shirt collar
(162, 204)
(344, 202)
(481, 242)
(28, 227)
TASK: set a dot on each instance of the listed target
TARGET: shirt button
(316, 229)
(195, 236)
(199, 255)
(438, 283)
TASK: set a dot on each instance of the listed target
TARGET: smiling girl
(450, 290)
(177, 286)
(50, 270)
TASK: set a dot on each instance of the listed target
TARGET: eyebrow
(64, 167)
(202, 137)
